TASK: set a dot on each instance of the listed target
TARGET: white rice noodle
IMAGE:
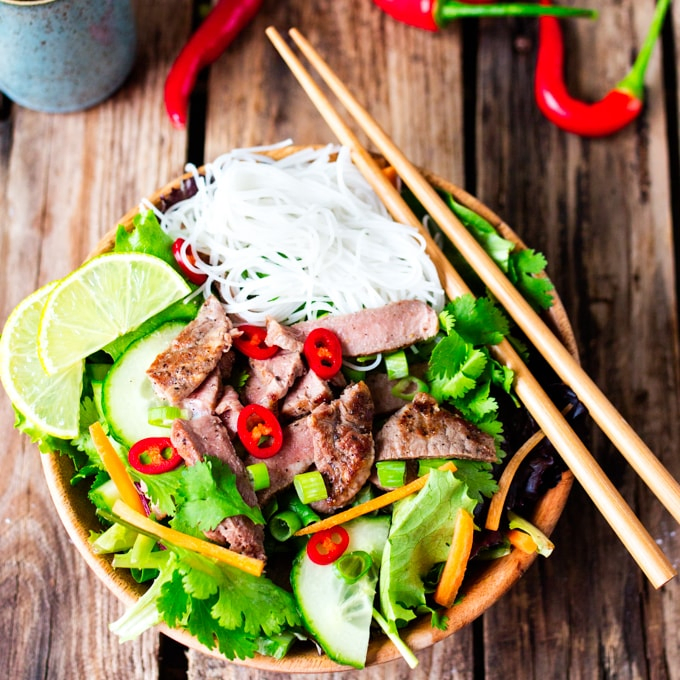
(299, 237)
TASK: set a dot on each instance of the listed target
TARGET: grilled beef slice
(285, 337)
(204, 399)
(343, 445)
(381, 389)
(295, 457)
(228, 409)
(193, 354)
(423, 429)
(307, 393)
(270, 379)
(207, 436)
(383, 329)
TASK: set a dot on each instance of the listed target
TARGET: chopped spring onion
(391, 473)
(283, 525)
(303, 511)
(352, 566)
(296, 237)
(259, 475)
(425, 465)
(310, 487)
(407, 387)
(544, 545)
(396, 365)
(163, 416)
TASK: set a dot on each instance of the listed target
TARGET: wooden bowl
(481, 590)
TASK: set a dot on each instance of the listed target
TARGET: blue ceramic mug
(65, 55)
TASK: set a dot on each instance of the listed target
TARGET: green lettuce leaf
(420, 536)
(146, 237)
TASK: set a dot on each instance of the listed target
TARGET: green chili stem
(448, 11)
(634, 81)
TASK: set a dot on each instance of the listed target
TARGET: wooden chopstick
(604, 494)
(621, 434)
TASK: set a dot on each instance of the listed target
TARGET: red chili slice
(251, 342)
(189, 256)
(323, 352)
(324, 547)
(154, 455)
(259, 431)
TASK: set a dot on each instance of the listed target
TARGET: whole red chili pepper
(432, 15)
(619, 107)
(154, 455)
(224, 22)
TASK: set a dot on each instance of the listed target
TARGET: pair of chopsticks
(597, 485)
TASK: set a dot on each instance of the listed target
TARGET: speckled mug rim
(27, 3)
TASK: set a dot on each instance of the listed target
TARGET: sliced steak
(381, 390)
(193, 354)
(423, 429)
(270, 379)
(228, 409)
(207, 436)
(285, 337)
(307, 393)
(343, 445)
(295, 457)
(383, 329)
(204, 399)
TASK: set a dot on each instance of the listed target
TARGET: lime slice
(102, 300)
(51, 402)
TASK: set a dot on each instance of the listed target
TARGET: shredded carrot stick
(493, 517)
(522, 541)
(177, 538)
(371, 505)
(114, 466)
(456, 562)
(391, 174)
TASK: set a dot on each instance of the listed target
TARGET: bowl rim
(481, 591)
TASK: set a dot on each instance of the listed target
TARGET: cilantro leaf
(162, 489)
(479, 321)
(206, 495)
(239, 591)
(526, 267)
(478, 477)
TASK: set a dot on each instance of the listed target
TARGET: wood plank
(68, 179)
(359, 42)
(599, 210)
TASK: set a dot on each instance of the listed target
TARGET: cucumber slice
(128, 394)
(336, 613)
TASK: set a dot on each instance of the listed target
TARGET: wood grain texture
(64, 181)
(600, 210)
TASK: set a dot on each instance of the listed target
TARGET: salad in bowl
(270, 433)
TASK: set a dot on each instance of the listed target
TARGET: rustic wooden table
(460, 103)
